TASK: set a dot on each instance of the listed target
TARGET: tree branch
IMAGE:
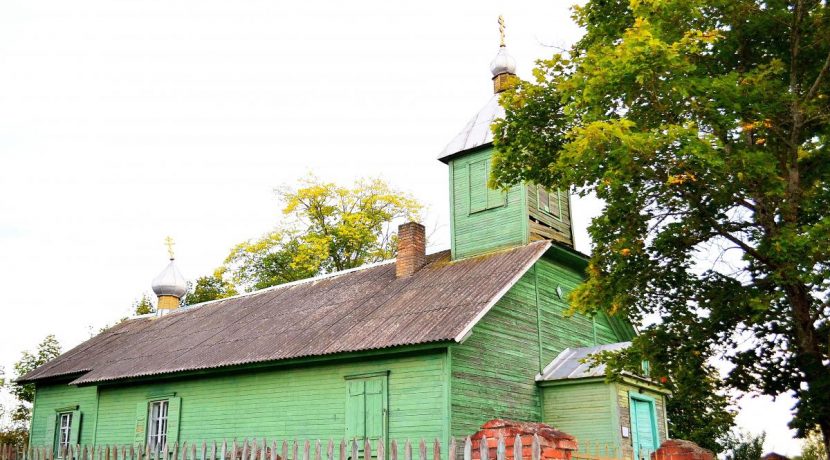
(814, 88)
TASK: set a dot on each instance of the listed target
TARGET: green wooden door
(366, 409)
(643, 427)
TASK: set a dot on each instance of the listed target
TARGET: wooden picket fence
(286, 450)
(596, 451)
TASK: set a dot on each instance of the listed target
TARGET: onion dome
(503, 63)
(170, 282)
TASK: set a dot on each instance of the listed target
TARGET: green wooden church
(424, 346)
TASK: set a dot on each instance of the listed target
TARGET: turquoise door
(643, 426)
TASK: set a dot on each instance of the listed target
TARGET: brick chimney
(411, 249)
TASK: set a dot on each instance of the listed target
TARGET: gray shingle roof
(363, 309)
(569, 365)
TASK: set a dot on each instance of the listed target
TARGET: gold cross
(169, 242)
(501, 30)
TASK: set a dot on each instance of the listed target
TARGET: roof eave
(273, 364)
(451, 156)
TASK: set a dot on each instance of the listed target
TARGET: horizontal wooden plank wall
(280, 402)
(478, 232)
(496, 449)
(548, 226)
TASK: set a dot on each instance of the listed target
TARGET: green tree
(745, 446)
(813, 448)
(704, 127)
(328, 228)
(143, 306)
(209, 288)
(46, 351)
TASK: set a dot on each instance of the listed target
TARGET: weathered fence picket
(496, 448)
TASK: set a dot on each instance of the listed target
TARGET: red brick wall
(552, 443)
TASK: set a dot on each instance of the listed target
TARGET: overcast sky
(123, 121)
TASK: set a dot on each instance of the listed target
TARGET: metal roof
(569, 364)
(476, 132)
(358, 310)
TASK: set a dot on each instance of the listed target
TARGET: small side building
(627, 415)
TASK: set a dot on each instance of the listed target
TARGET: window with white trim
(157, 424)
(64, 431)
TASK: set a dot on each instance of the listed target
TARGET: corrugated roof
(477, 131)
(351, 311)
(569, 365)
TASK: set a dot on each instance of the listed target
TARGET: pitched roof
(569, 364)
(356, 310)
(476, 132)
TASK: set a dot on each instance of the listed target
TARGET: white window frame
(64, 431)
(157, 424)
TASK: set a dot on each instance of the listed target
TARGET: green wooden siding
(287, 403)
(49, 399)
(483, 219)
(494, 370)
(586, 410)
(554, 224)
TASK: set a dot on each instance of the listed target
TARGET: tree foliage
(744, 446)
(209, 288)
(143, 306)
(328, 227)
(813, 448)
(703, 125)
(47, 350)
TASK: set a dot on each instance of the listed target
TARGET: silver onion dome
(170, 282)
(503, 63)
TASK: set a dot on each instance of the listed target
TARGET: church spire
(503, 66)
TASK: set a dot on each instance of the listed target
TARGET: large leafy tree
(704, 127)
(328, 227)
(210, 287)
(47, 350)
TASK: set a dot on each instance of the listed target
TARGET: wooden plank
(536, 448)
(517, 448)
(483, 448)
(500, 449)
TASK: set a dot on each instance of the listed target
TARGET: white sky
(123, 121)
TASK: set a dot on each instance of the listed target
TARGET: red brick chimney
(412, 246)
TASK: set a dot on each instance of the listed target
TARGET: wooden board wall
(494, 370)
(478, 232)
(300, 402)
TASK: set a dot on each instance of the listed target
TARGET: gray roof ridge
(280, 286)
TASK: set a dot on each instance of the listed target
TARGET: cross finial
(501, 30)
(169, 242)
